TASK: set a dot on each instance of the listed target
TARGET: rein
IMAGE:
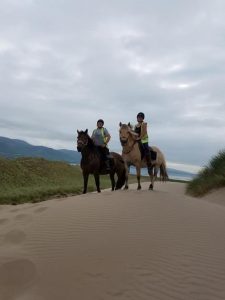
(131, 147)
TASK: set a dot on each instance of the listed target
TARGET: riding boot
(107, 164)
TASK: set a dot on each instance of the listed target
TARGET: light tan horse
(132, 156)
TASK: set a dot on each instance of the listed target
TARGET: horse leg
(154, 176)
(150, 173)
(138, 170)
(85, 177)
(155, 173)
(97, 182)
(126, 177)
(113, 184)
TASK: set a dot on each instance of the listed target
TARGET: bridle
(124, 144)
(131, 147)
(81, 143)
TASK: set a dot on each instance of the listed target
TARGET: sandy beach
(158, 245)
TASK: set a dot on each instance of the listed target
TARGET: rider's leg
(105, 152)
(147, 155)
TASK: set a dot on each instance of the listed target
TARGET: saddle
(106, 158)
(153, 153)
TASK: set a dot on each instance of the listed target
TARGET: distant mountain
(13, 148)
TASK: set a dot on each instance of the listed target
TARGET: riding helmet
(141, 114)
(101, 121)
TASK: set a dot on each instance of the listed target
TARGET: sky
(66, 63)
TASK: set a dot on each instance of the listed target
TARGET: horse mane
(124, 126)
(90, 141)
(130, 129)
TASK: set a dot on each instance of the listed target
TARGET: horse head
(125, 132)
(82, 139)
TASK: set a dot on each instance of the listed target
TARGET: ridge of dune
(216, 196)
(131, 244)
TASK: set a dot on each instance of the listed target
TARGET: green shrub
(211, 177)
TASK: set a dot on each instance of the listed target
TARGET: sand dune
(131, 244)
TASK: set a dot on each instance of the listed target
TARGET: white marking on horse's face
(124, 135)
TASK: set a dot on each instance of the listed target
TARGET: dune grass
(27, 179)
(211, 177)
(36, 179)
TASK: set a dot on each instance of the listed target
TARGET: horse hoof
(126, 187)
(151, 187)
(139, 188)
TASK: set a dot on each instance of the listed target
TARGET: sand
(131, 244)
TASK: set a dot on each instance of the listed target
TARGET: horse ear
(86, 131)
(78, 131)
(130, 126)
(120, 124)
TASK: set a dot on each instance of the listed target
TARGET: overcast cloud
(66, 63)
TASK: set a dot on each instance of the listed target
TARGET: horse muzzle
(80, 146)
(123, 141)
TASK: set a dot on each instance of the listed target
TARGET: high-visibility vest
(145, 137)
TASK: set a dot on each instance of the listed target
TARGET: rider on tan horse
(132, 156)
(141, 129)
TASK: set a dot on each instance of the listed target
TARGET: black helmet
(141, 114)
(100, 121)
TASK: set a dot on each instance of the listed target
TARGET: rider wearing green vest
(101, 137)
(141, 130)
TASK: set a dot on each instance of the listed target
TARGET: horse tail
(163, 172)
(120, 169)
(121, 177)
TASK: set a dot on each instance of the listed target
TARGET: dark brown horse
(92, 163)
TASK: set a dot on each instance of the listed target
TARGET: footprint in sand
(41, 209)
(94, 275)
(3, 221)
(15, 277)
(23, 217)
(14, 210)
(14, 237)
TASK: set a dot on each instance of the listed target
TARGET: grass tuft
(37, 179)
(211, 177)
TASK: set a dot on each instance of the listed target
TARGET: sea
(172, 173)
